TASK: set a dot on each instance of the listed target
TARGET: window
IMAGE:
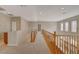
(74, 26)
(66, 26)
(61, 26)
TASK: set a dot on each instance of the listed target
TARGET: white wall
(22, 34)
(14, 37)
(12, 41)
(5, 26)
(17, 37)
(49, 26)
(4, 23)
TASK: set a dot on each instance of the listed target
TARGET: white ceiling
(42, 12)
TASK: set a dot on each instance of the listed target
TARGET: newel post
(54, 42)
(54, 36)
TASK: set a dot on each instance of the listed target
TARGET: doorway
(39, 27)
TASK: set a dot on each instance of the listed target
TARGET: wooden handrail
(69, 43)
(51, 42)
(62, 43)
(47, 32)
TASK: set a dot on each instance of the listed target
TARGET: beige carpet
(38, 47)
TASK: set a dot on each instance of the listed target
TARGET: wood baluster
(70, 44)
(77, 44)
(63, 45)
(75, 49)
(58, 41)
(60, 44)
(55, 42)
(74, 44)
(67, 43)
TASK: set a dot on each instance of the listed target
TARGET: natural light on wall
(66, 26)
(74, 26)
(61, 26)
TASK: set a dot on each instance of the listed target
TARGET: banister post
(55, 42)
(54, 36)
(77, 45)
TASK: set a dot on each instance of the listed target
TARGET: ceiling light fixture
(40, 13)
(63, 11)
(62, 8)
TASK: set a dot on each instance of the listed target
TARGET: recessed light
(40, 13)
(62, 8)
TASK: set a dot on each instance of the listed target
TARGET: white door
(13, 26)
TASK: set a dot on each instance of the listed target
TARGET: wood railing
(67, 43)
(58, 44)
(50, 39)
(33, 36)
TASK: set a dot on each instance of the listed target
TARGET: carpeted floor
(38, 47)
